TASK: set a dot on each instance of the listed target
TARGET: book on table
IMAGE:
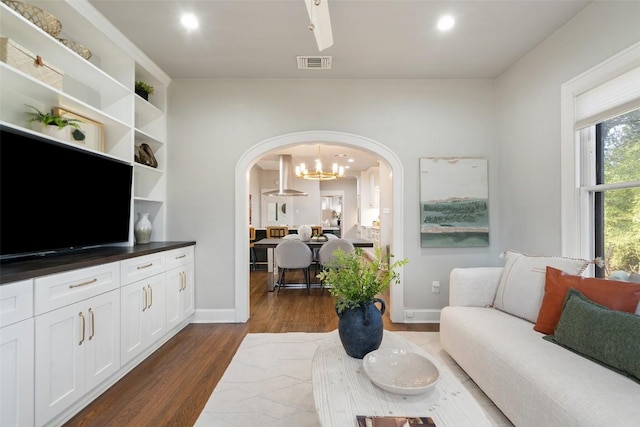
(388, 421)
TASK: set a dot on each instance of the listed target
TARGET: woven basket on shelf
(43, 19)
(76, 47)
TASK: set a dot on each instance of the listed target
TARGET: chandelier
(319, 174)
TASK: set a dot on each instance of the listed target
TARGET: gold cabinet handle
(183, 277)
(83, 328)
(88, 282)
(181, 256)
(145, 266)
(150, 296)
(181, 282)
(145, 298)
(93, 324)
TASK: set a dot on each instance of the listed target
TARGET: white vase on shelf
(143, 228)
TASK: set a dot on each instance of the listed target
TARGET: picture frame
(93, 131)
(454, 202)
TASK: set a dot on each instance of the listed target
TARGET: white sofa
(534, 382)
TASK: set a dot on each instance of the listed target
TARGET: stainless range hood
(285, 179)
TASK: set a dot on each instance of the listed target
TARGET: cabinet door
(133, 306)
(188, 294)
(102, 351)
(143, 316)
(59, 336)
(155, 324)
(174, 288)
(16, 374)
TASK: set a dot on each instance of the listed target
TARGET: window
(616, 195)
(600, 166)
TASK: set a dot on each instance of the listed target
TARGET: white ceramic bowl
(400, 371)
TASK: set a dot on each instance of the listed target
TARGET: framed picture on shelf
(92, 132)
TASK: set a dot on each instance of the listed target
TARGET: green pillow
(609, 337)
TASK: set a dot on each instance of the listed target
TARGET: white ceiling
(378, 39)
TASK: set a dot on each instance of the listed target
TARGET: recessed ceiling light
(446, 23)
(189, 21)
(350, 160)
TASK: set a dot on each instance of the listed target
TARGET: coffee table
(342, 390)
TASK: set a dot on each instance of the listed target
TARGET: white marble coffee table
(342, 390)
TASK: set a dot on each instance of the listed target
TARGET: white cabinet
(180, 285)
(16, 374)
(143, 315)
(91, 326)
(180, 294)
(77, 348)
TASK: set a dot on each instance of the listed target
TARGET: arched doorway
(243, 167)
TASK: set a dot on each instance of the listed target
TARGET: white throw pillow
(521, 286)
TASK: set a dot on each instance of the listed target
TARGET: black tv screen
(56, 197)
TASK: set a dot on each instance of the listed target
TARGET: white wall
(513, 121)
(528, 131)
(213, 122)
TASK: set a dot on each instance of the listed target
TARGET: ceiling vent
(314, 62)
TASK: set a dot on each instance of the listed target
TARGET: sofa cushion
(613, 294)
(609, 337)
(521, 285)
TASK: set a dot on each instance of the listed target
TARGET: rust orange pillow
(613, 294)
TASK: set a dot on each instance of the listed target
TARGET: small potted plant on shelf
(54, 125)
(355, 281)
(143, 89)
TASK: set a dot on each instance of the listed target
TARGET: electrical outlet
(409, 314)
(435, 286)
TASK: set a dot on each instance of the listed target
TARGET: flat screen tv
(55, 197)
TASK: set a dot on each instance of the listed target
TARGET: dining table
(270, 244)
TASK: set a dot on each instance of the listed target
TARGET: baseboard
(215, 316)
(422, 316)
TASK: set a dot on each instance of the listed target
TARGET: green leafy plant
(144, 87)
(50, 119)
(356, 280)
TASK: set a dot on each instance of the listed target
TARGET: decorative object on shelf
(319, 174)
(29, 63)
(355, 282)
(143, 229)
(77, 48)
(454, 202)
(53, 124)
(43, 19)
(304, 231)
(92, 130)
(144, 155)
(143, 89)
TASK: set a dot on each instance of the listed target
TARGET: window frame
(578, 150)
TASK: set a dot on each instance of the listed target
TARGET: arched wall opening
(243, 167)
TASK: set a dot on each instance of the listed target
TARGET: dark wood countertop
(13, 270)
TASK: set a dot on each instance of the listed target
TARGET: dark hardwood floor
(171, 387)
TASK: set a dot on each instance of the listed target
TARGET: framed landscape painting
(454, 202)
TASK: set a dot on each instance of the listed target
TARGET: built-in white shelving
(100, 89)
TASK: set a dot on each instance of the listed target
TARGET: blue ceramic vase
(360, 328)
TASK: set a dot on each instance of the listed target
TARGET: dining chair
(326, 254)
(277, 231)
(253, 259)
(292, 254)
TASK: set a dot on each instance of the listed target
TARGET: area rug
(268, 382)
